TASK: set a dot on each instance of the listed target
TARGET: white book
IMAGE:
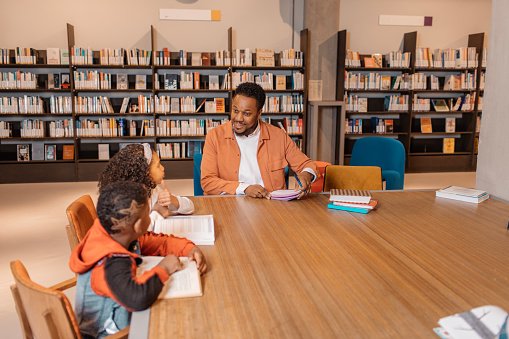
(182, 284)
(463, 194)
(125, 102)
(478, 323)
(53, 56)
(358, 196)
(197, 228)
(104, 151)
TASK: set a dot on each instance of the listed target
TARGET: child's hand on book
(197, 255)
(171, 264)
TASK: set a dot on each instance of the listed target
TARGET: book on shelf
(183, 283)
(377, 59)
(174, 105)
(196, 80)
(23, 152)
(103, 151)
(448, 146)
(68, 152)
(426, 125)
(265, 57)
(452, 83)
(360, 196)
(210, 107)
(214, 82)
(440, 105)
(369, 62)
(65, 80)
(348, 209)
(481, 322)
(280, 82)
(476, 145)
(462, 194)
(202, 103)
(50, 152)
(389, 125)
(53, 56)
(450, 125)
(195, 59)
(197, 228)
(141, 81)
(125, 104)
(205, 59)
(478, 124)
(171, 81)
(363, 105)
(386, 82)
(122, 81)
(64, 57)
(220, 105)
(55, 80)
(37, 151)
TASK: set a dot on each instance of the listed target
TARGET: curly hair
(116, 199)
(252, 90)
(128, 164)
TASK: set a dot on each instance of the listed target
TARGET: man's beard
(247, 131)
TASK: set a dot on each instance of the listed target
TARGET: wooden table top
(299, 270)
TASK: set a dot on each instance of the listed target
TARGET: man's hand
(197, 255)
(305, 180)
(257, 191)
(171, 263)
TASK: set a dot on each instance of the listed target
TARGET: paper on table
(285, 195)
(197, 228)
(182, 284)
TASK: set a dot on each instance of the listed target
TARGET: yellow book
(448, 145)
(426, 125)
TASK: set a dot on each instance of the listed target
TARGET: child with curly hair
(140, 163)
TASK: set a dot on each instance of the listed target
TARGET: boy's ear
(138, 228)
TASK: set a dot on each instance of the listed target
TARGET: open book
(182, 284)
(197, 228)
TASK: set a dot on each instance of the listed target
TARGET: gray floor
(33, 220)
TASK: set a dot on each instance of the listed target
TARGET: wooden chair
(352, 177)
(81, 214)
(46, 312)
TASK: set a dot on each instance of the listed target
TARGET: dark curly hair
(252, 90)
(128, 164)
(119, 196)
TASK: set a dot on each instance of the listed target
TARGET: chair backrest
(386, 153)
(81, 214)
(352, 177)
(197, 174)
(45, 313)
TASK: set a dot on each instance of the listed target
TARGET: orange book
(196, 80)
(369, 62)
(219, 105)
(68, 152)
(426, 125)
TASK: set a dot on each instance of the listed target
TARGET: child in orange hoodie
(108, 289)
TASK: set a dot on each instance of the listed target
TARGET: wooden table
(299, 270)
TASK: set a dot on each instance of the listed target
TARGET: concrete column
(493, 159)
(321, 17)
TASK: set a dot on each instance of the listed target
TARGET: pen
(296, 178)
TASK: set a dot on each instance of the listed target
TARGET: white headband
(148, 152)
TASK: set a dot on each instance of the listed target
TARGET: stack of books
(463, 194)
(352, 201)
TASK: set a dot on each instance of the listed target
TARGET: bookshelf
(148, 117)
(424, 149)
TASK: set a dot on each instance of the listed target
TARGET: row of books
(392, 59)
(85, 56)
(289, 125)
(185, 80)
(191, 127)
(37, 129)
(417, 81)
(354, 126)
(463, 57)
(266, 81)
(5, 129)
(173, 150)
(43, 152)
(426, 126)
(464, 103)
(113, 127)
(21, 105)
(285, 103)
(18, 80)
(61, 129)
(167, 104)
(94, 80)
(392, 103)
(33, 128)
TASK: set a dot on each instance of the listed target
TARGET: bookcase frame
(422, 154)
(86, 167)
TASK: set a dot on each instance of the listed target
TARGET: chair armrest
(64, 284)
(122, 334)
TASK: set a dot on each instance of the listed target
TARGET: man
(249, 156)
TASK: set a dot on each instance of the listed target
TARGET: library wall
(453, 21)
(493, 160)
(126, 24)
